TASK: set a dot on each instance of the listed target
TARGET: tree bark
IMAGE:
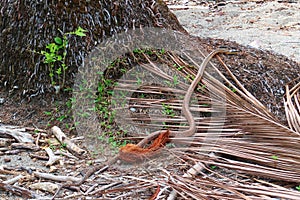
(27, 26)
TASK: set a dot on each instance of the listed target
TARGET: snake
(185, 109)
(186, 101)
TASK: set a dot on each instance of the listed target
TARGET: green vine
(56, 52)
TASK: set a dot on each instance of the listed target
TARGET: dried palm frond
(292, 106)
(234, 132)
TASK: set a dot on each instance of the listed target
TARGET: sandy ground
(272, 25)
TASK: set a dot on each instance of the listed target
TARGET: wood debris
(63, 139)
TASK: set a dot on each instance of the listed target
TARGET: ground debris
(19, 134)
(27, 175)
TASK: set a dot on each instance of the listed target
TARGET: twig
(161, 192)
(105, 187)
(38, 139)
(30, 146)
(19, 191)
(52, 158)
(73, 196)
(13, 180)
(56, 178)
(5, 171)
(13, 152)
(77, 138)
(110, 162)
(91, 171)
(63, 139)
(60, 152)
(91, 189)
(36, 130)
(39, 157)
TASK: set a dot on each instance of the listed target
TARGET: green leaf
(274, 157)
(49, 59)
(59, 58)
(233, 89)
(61, 118)
(44, 52)
(51, 47)
(48, 113)
(213, 167)
(58, 40)
(64, 145)
(80, 32)
(58, 71)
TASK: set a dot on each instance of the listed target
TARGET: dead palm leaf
(247, 139)
(292, 106)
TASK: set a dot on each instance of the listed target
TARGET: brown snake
(186, 101)
(185, 109)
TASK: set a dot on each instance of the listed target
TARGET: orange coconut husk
(133, 153)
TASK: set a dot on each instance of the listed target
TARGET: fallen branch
(8, 171)
(63, 139)
(52, 158)
(19, 134)
(30, 146)
(56, 178)
(35, 130)
(39, 157)
(14, 179)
